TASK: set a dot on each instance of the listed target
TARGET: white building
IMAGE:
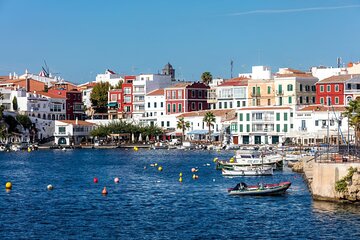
(154, 106)
(262, 125)
(311, 125)
(258, 72)
(109, 76)
(142, 85)
(230, 94)
(70, 132)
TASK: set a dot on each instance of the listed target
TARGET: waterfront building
(115, 104)
(230, 94)
(142, 85)
(199, 130)
(127, 88)
(109, 76)
(262, 125)
(70, 132)
(73, 102)
(186, 97)
(311, 125)
(261, 92)
(338, 90)
(294, 88)
(86, 90)
(154, 107)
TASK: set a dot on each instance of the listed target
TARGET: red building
(331, 91)
(74, 105)
(186, 97)
(127, 89)
(115, 103)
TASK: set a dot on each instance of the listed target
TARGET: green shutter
(248, 127)
(169, 108)
(241, 128)
(277, 127)
(269, 89)
(285, 127)
(277, 116)
(248, 117)
(290, 99)
(241, 117)
(285, 116)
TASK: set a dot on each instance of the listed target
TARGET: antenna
(338, 60)
(231, 68)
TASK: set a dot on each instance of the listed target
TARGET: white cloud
(272, 11)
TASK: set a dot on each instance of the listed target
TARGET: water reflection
(334, 207)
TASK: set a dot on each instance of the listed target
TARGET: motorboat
(251, 158)
(261, 189)
(248, 171)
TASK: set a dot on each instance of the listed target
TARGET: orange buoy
(104, 191)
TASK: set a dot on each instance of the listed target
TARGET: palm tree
(352, 112)
(181, 124)
(206, 77)
(209, 119)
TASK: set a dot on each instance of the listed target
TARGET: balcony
(264, 119)
(257, 94)
(279, 92)
(61, 134)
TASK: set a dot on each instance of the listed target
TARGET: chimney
(27, 84)
(10, 76)
(76, 121)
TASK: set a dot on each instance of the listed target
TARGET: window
(336, 100)
(313, 88)
(199, 106)
(316, 123)
(336, 87)
(300, 100)
(290, 100)
(277, 116)
(193, 93)
(269, 90)
(174, 107)
(155, 104)
(238, 103)
(321, 100)
(277, 127)
(307, 88)
(168, 108)
(127, 99)
(241, 128)
(161, 104)
(285, 116)
(248, 127)
(148, 105)
(220, 105)
(269, 102)
(322, 88)
(173, 94)
(248, 117)
(230, 104)
(291, 126)
(291, 114)
(168, 94)
(61, 129)
(285, 127)
(193, 106)
(180, 107)
(328, 88)
(225, 105)
(200, 94)
(313, 99)
(289, 87)
(243, 103)
(168, 123)
(127, 90)
(241, 116)
(301, 88)
(179, 94)
(307, 99)
(113, 97)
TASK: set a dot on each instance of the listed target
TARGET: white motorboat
(248, 171)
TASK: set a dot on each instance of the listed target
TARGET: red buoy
(96, 180)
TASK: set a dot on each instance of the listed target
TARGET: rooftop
(339, 78)
(156, 92)
(322, 108)
(79, 122)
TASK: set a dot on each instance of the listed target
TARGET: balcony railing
(265, 119)
(279, 92)
(256, 94)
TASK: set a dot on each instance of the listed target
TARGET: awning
(177, 134)
(112, 104)
(215, 134)
(198, 132)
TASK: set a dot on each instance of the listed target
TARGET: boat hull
(244, 171)
(273, 189)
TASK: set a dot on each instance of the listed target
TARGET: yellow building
(261, 92)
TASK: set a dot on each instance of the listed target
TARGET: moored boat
(261, 189)
(248, 171)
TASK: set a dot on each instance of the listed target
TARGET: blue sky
(82, 38)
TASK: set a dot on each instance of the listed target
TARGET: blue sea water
(149, 204)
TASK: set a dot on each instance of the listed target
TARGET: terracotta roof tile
(240, 81)
(80, 122)
(338, 78)
(159, 91)
(216, 112)
(322, 108)
(53, 94)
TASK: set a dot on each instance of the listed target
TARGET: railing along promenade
(338, 154)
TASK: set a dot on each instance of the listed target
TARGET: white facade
(8, 97)
(262, 125)
(69, 132)
(326, 72)
(112, 78)
(154, 107)
(227, 97)
(311, 126)
(144, 84)
(258, 72)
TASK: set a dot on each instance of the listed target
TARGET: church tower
(169, 70)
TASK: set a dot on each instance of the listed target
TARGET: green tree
(24, 120)
(15, 103)
(118, 85)
(206, 77)
(99, 97)
(209, 119)
(181, 124)
(352, 112)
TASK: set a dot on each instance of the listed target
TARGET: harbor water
(152, 204)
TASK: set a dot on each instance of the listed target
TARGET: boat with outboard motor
(258, 190)
(248, 171)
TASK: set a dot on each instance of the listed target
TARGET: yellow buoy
(194, 176)
(160, 168)
(136, 149)
(180, 179)
(8, 185)
(180, 174)
(232, 160)
(29, 149)
(215, 159)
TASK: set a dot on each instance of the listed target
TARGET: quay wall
(324, 177)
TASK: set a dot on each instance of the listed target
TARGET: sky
(79, 39)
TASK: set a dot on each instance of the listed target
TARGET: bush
(342, 184)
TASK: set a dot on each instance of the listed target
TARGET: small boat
(257, 190)
(248, 171)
